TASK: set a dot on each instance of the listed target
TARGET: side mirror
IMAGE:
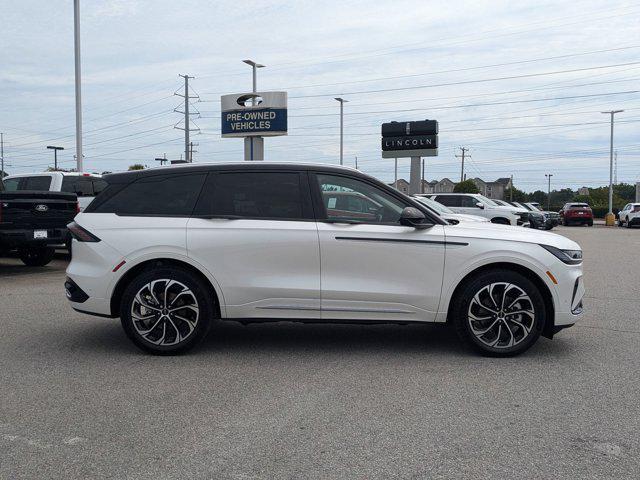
(412, 217)
(480, 205)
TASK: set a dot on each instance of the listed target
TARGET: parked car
(476, 204)
(33, 222)
(554, 216)
(629, 215)
(169, 250)
(85, 185)
(537, 219)
(574, 212)
(446, 213)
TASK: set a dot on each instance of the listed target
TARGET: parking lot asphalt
(287, 401)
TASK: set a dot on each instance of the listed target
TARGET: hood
(511, 209)
(493, 231)
(461, 217)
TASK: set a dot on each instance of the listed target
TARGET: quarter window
(449, 200)
(158, 195)
(40, 182)
(350, 200)
(268, 195)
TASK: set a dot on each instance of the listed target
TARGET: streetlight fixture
(55, 155)
(342, 102)
(254, 146)
(610, 218)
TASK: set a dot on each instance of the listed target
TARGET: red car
(576, 213)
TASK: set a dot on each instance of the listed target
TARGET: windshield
(487, 201)
(438, 207)
(524, 205)
(533, 207)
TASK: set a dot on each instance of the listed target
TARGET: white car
(446, 213)
(629, 215)
(172, 250)
(476, 204)
(85, 185)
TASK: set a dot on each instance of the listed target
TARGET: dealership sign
(410, 139)
(260, 114)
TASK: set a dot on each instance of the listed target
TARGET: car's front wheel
(499, 313)
(166, 310)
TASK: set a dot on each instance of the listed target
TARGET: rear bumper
(25, 237)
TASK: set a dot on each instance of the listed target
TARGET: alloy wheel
(165, 312)
(501, 315)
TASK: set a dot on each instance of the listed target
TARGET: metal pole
(186, 118)
(76, 41)
(511, 190)
(55, 159)
(611, 113)
(549, 175)
(414, 176)
(395, 181)
(1, 155)
(422, 180)
(341, 129)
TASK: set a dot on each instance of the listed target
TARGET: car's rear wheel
(37, 256)
(166, 310)
(627, 222)
(499, 313)
(590, 223)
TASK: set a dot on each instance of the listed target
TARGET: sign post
(413, 140)
(253, 116)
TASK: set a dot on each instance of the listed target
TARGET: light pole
(342, 102)
(254, 146)
(55, 155)
(549, 175)
(609, 220)
(76, 44)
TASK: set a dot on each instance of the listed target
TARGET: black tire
(590, 223)
(548, 227)
(200, 293)
(479, 285)
(627, 222)
(36, 256)
(620, 223)
(500, 221)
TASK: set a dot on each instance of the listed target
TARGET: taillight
(81, 234)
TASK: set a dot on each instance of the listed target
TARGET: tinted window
(348, 199)
(160, 195)
(42, 183)
(469, 202)
(98, 185)
(254, 195)
(449, 200)
(82, 186)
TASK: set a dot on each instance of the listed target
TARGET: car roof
(50, 174)
(454, 193)
(126, 177)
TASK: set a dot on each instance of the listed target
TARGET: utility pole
(422, 182)
(76, 43)
(549, 175)
(254, 146)
(55, 155)
(511, 190)
(464, 150)
(187, 129)
(1, 155)
(342, 102)
(356, 162)
(192, 151)
(610, 218)
(615, 167)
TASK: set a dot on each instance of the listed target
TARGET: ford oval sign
(41, 208)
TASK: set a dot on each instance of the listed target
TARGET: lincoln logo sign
(410, 139)
(254, 114)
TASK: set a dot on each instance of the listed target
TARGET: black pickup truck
(34, 222)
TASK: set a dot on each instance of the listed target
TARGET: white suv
(629, 215)
(476, 204)
(172, 250)
(85, 185)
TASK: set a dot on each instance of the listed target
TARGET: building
(444, 186)
(583, 191)
(401, 185)
(488, 189)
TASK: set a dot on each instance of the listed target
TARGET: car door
(256, 233)
(373, 268)
(469, 205)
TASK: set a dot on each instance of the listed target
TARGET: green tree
(538, 196)
(466, 187)
(518, 195)
(136, 166)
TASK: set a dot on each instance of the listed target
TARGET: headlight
(570, 257)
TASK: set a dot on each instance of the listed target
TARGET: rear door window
(256, 195)
(80, 185)
(40, 182)
(449, 200)
(157, 195)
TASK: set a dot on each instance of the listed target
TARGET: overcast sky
(521, 84)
